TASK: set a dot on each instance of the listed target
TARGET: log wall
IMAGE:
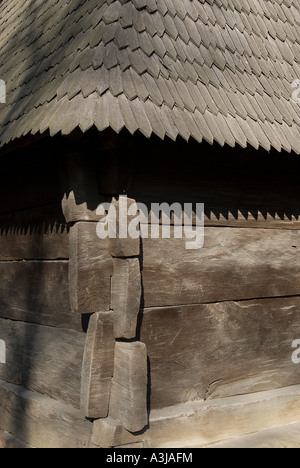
(44, 340)
(194, 324)
(220, 321)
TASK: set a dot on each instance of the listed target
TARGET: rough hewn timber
(233, 264)
(98, 366)
(44, 359)
(41, 421)
(122, 244)
(222, 349)
(126, 292)
(46, 243)
(110, 432)
(200, 423)
(90, 270)
(37, 292)
(129, 388)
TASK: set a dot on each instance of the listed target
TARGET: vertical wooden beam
(128, 401)
(90, 270)
(98, 366)
(126, 296)
(123, 245)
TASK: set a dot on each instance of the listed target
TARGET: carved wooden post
(105, 281)
(90, 271)
(128, 402)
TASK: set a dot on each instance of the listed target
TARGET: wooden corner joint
(115, 370)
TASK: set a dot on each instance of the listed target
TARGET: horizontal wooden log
(41, 421)
(129, 387)
(126, 290)
(221, 349)
(41, 244)
(90, 270)
(43, 359)
(201, 423)
(37, 292)
(109, 433)
(233, 264)
(98, 366)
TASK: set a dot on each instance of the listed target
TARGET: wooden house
(140, 341)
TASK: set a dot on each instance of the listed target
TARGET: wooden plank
(90, 270)
(203, 423)
(122, 244)
(41, 421)
(40, 243)
(220, 349)
(98, 366)
(233, 264)
(129, 387)
(109, 433)
(126, 290)
(43, 359)
(200, 423)
(36, 233)
(37, 292)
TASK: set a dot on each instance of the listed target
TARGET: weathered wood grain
(90, 270)
(202, 423)
(122, 244)
(38, 292)
(233, 264)
(126, 290)
(44, 359)
(129, 387)
(109, 433)
(41, 244)
(41, 421)
(98, 366)
(221, 349)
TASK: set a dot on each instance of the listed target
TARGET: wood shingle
(232, 61)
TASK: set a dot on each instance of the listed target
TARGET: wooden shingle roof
(219, 70)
